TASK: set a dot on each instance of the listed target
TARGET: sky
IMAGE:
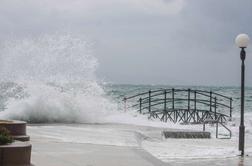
(174, 42)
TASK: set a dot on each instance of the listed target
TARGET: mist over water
(48, 58)
(51, 79)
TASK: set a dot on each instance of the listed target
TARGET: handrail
(230, 132)
(140, 94)
(201, 92)
(176, 90)
(217, 122)
(202, 101)
(179, 90)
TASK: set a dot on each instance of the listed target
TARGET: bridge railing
(185, 105)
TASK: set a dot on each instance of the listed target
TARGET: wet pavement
(233, 161)
(51, 151)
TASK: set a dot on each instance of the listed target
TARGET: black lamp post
(242, 41)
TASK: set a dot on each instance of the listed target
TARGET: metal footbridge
(187, 106)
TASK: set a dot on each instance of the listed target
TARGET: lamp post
(242, 41)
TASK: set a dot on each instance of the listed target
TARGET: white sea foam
(55, 78)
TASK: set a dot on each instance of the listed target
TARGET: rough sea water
(51, 79)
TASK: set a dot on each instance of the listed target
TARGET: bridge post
(165, 98)
(195, 105)
(231, 107)
(175, 113)
(165, 108)
(173, 98)
(140, 105)
(125, 104)
(215, 107)
(149, 101)
(211, 101)
(210, 104)
(188, 105)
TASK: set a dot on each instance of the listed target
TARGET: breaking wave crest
(51, 79)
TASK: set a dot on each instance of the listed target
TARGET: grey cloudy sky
(189, 42)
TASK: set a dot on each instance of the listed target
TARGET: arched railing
(181, 105)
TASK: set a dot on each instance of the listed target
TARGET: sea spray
(52, 79)
(48, 58)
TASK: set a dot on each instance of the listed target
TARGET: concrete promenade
(46, 153)
(49, 150)
(72, 154)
